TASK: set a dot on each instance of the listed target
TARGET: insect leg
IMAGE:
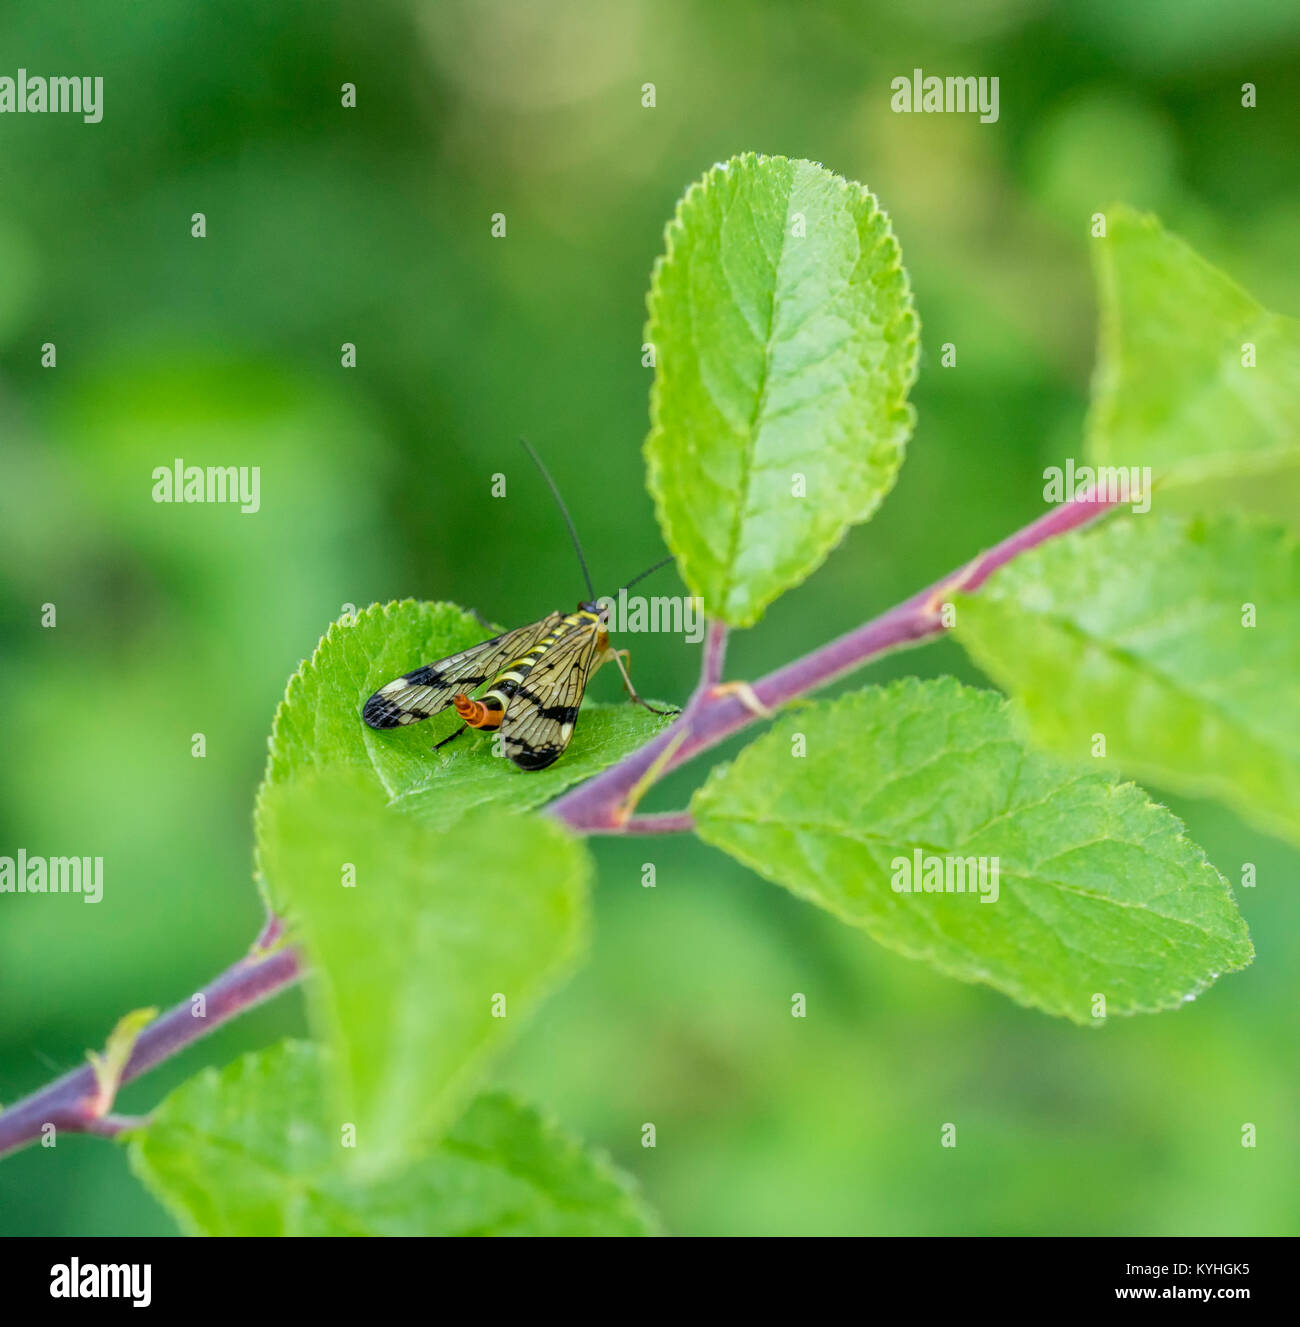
(463, 729)
(617, 656)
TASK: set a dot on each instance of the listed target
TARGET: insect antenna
(564, 511)
(663, 562)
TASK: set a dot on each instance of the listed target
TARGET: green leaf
(318, 724)
(1098, 892)
(1136, 630)
(1170, 390)
(442, 946)
(253, 1150)
(786, 344)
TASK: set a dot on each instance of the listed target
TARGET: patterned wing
(429, 690)
(543, 710)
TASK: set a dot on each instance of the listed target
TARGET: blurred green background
(372, 225)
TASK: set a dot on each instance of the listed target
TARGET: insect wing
(429, 690)
(543, 711)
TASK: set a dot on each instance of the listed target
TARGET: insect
(538, 675)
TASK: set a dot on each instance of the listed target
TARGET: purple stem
(715, 651)
(597, 805)
(69, 1102)
(110, 1126)
(662, 822)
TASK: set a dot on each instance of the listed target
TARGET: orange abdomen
(476, 714)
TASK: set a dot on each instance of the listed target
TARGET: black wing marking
(429, 690)
(543, 711)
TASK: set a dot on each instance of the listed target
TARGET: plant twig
(601, 805)
(593, 807)
(715, 651)
(660, 822)
(110, 1126)
(69, 1103)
